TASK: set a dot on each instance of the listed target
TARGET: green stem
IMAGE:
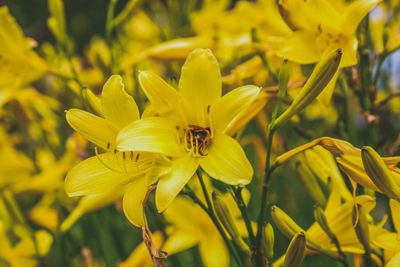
(109, 28)
(263, 208)
(214, 218)
(242, 206)
(342, 255)
(381, 59)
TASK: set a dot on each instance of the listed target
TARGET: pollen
(196, 140)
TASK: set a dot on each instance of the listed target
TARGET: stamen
(101, 161)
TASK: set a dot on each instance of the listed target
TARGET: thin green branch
(214, 218)
(237, 194)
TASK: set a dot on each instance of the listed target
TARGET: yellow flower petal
(154, 134)
(95, 129)
(300, 47)
(93, 177)
(90, 203)
(179, 241)
(213, 251)
(395, 211)
(118, 106)
(133, 200)
(355, 13)
(394, 261)
(388, 241)
(227, 162)
(230, 105)
(140, 256)
(163, 97)
(353, 167)
(200, 84)
(350, 52)
(171, 184)
(182, 210)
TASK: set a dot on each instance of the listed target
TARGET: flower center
(196, 140)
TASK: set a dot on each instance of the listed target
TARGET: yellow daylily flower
(339, 217)
(353, 167)
(322, 163)
(19, 64)
(24, 252)
(319, 27)
(191, 128)
(105, 177)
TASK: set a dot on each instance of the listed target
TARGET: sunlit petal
(133, 200)
(355, 12)
(92, 177)
(95, 129)
(118, 106)
(214, 252)
(150, 134)
(300, 47)
(227, 162)
(200, 84)
(164, 98)
(178, 242)
(230, 105)
(172, 183)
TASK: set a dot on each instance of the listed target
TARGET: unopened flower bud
(296, 251)
(289, 228)
(319, 79)
(361, 227)
(225, 217)
(309, 181)
(320, 217)
(91, 101)
(379, 173)
(268, 240)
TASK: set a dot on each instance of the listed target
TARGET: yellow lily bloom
(191, 128)
(339, 217)
(105, 177)
(319, 27)
(23, 253)
(353, 167)
(19, 64)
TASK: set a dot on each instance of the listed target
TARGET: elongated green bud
(361, 226)
(283, 77)
(283, 80)
(296, 251)
(225, 217)
(320, 217)
(268, 238)
(319, 79)
(309, 181)
(289, 228)
(379, 173)
(91, 101)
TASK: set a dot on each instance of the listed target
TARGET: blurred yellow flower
(319, 27)
(19, 64)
